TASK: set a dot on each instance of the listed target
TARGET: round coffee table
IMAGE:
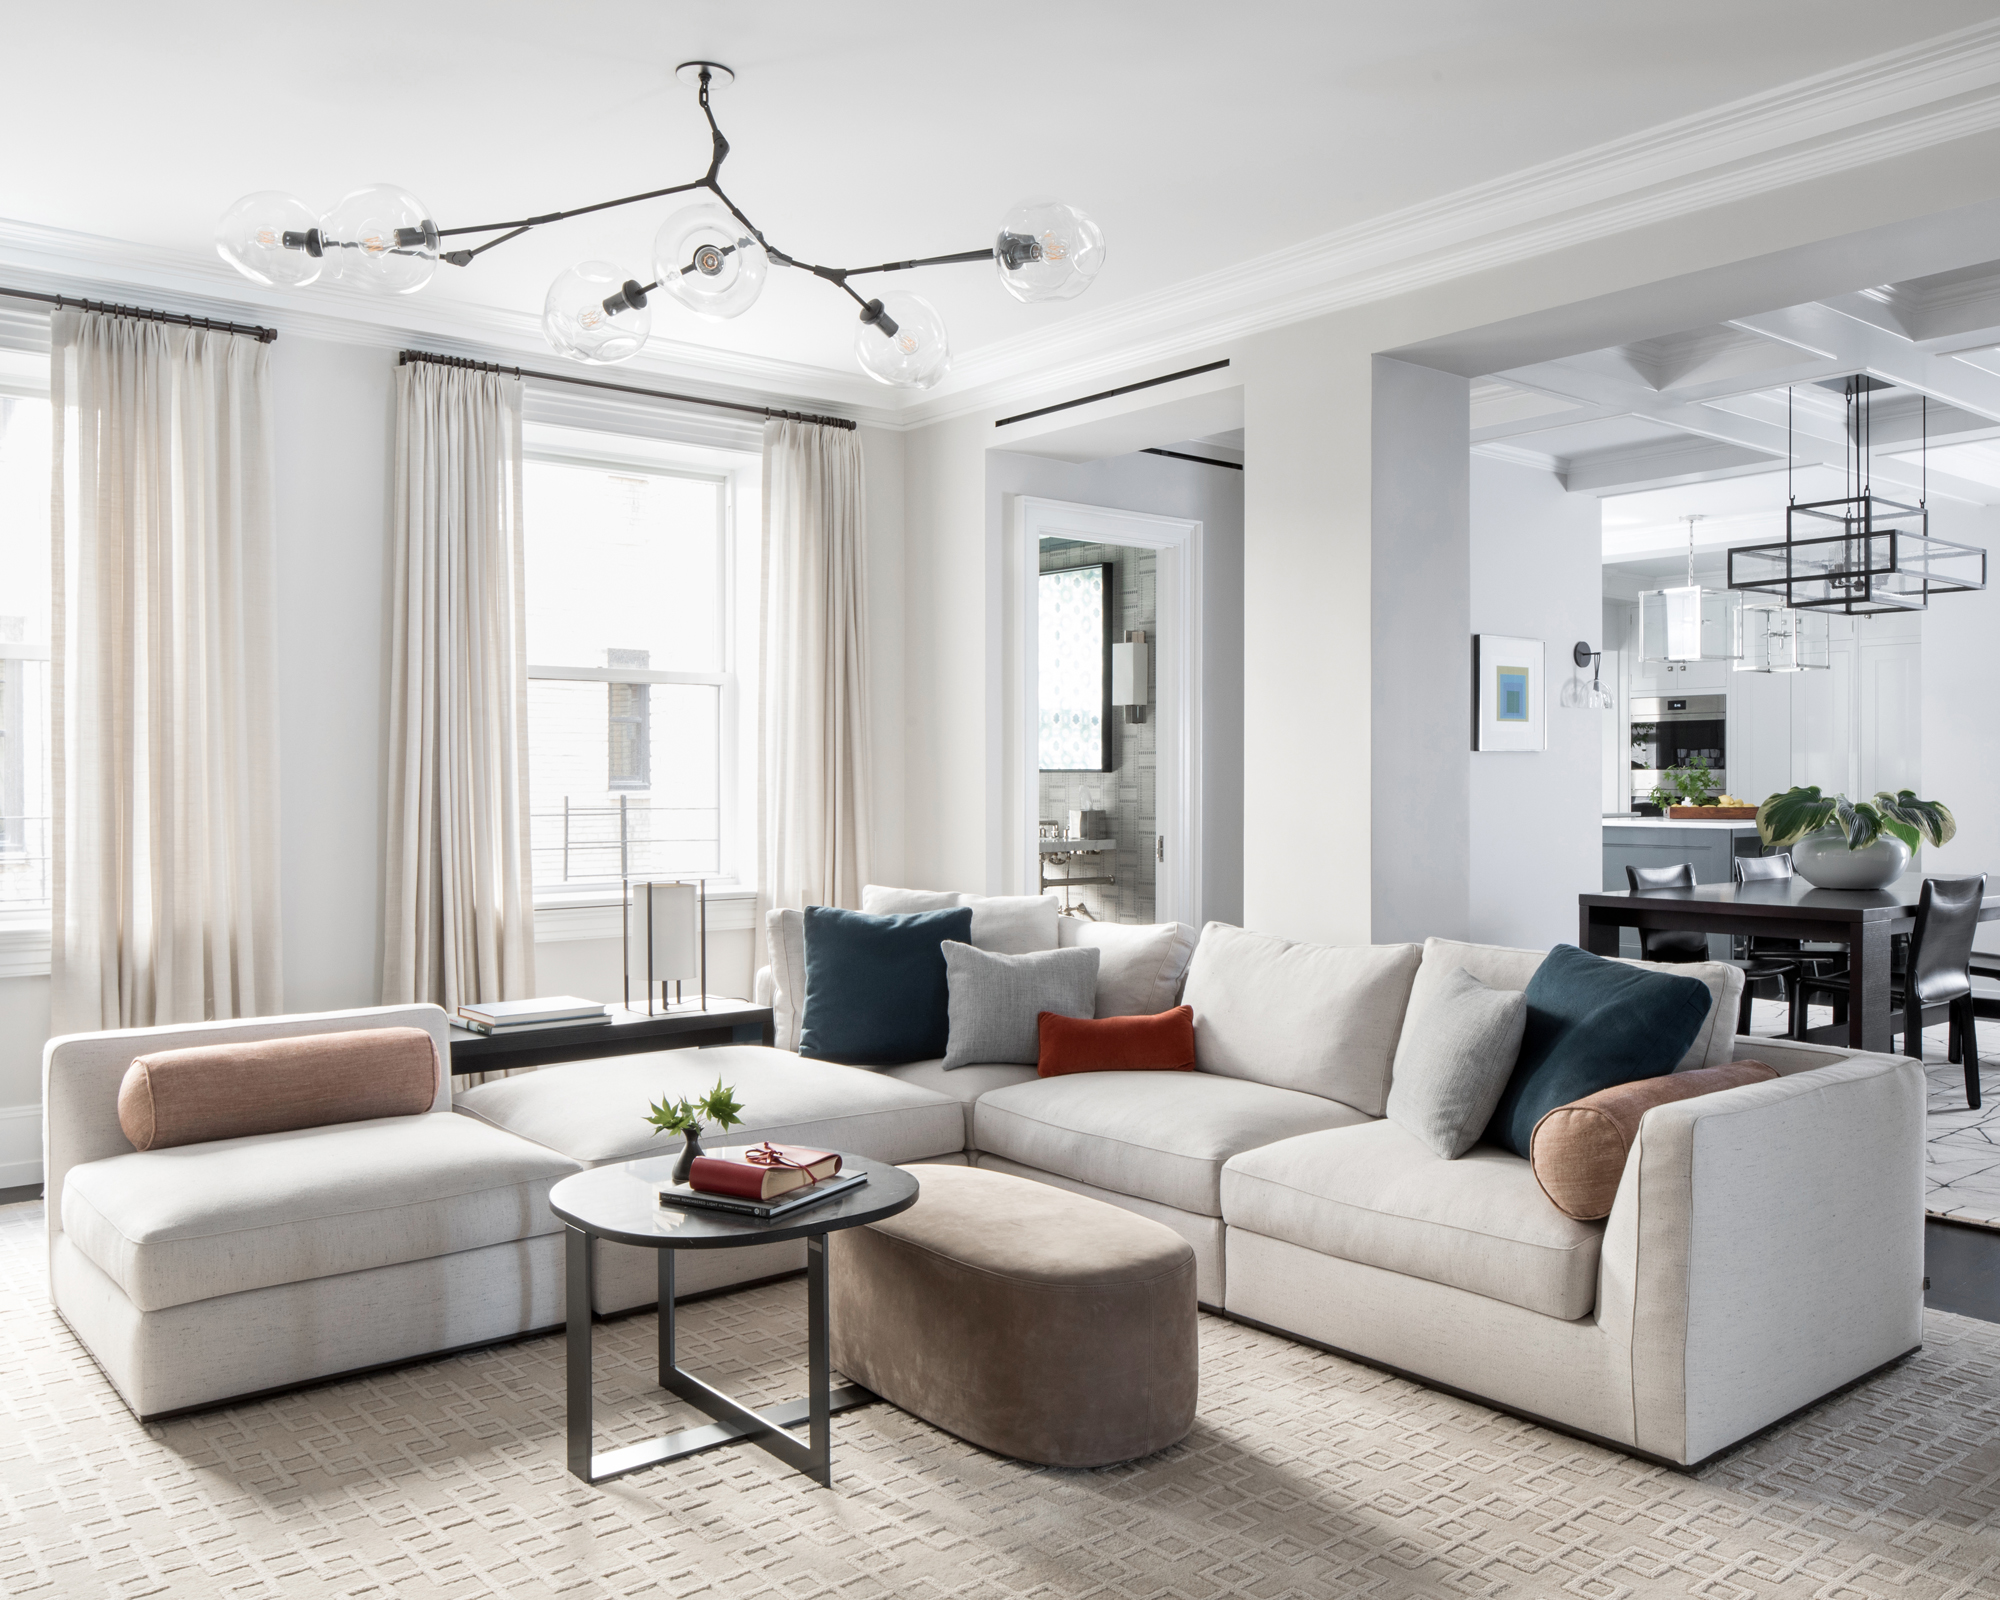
(619, 1203)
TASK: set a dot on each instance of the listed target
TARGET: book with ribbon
(761, 1171)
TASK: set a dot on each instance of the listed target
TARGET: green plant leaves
(1911, 819)
(1789, 817)
(720, 1106)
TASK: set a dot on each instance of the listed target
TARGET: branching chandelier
(709, 256)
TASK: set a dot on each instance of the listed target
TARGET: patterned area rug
(1962, 1158)
(1305, 1476)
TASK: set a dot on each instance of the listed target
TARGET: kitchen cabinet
(1760, 733)
(1679, 677)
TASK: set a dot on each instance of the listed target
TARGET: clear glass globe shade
(251, 236)
(1048, 251)
(577, 323)
(915, 355)
(709, 261)
(382, 237)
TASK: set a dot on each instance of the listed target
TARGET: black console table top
(630, 1030)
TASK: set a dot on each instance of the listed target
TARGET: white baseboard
(20, 1146)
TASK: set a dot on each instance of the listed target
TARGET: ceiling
(1703, 422)
(1201, 138)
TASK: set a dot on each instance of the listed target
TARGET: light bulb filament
(1054, 248)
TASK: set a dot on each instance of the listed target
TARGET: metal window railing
(599, 843)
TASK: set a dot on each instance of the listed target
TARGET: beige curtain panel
(814, 781)
(164, 690)
(457, 897)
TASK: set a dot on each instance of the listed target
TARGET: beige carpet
(1305, 1476)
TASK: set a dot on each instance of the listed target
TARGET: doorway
(1107, 711)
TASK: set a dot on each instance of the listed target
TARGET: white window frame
(25, 932)
(736, 472)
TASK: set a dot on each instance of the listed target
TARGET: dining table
(1865, 921)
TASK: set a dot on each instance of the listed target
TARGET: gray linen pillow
(1457, 1051)
(996, 1001)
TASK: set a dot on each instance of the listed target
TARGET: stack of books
(761, 1181)
(521, 1016)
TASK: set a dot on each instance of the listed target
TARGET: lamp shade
(662, 934)
(1689, 623)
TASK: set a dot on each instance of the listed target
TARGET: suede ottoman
(1030, 1321)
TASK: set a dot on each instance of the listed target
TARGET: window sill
(595, 913)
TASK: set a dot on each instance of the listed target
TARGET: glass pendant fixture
(272, 239)
(1863, 554)
(1047, 251)
(709, 261)
(1690, 623)
(901, 342)
(1778, 639)
(596, 313)
(383, 238)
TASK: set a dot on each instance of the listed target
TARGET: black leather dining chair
(1667, 944)
(1769, 960)
(1935, 984)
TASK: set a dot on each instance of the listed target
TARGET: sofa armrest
(81, 1073)
(1766, 1247)
(1788, 1056)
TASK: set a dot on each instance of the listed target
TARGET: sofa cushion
(1158, 1136)
(1007, 924)
(1593, 1023)
(962, 1084)
(1321, 1019)
(785, 938)
(878, 900)
(997, 1000)
(876, 992)
(1458, 1048)
(252, 1086)
(1377, 1195)
(1499, 967)
(1164, 1043)
(595, 1111)
(200, 1220)
(1140, 968)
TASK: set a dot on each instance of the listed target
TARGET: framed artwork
(1074, 649)
(1509, 699)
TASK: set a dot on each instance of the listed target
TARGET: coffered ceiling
(1240, 159)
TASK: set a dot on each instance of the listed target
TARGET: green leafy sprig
(1789, 817)
(719, 1106)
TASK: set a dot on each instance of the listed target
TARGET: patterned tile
(1305, 1478)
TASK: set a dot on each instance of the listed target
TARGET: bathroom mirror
(1074, 669)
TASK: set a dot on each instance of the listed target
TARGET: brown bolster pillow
(229, 1091)
(1578, 1151)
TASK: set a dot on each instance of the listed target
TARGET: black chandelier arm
(522, 224)
(922, 261)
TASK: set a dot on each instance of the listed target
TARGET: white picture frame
(1510, 693)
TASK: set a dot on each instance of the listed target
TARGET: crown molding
(1927, 94)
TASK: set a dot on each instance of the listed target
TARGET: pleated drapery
(164, 689)
(458, 902)
(814, 780)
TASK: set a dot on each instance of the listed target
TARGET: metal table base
(766, 1429)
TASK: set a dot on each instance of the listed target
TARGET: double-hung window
(25, 442)
(633, 691)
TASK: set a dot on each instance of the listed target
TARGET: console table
(629, 1031)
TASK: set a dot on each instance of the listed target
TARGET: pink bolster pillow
(229, 1091)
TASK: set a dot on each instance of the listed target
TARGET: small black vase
(692, 1149)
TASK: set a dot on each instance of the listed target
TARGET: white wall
(1213, 496)
(1537, 832)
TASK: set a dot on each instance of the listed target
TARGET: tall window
(24, 650)
(630, 692)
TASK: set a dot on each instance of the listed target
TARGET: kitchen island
(1667, 841)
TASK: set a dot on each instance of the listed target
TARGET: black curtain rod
(261, 335)
(621, 388)
(1182, 455)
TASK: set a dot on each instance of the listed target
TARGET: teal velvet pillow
(876, 992)
(1593, 1024)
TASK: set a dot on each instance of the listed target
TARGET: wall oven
(1671, 731)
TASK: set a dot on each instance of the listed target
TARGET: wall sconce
(1581, 696)
(1129, 676)
(666, 940)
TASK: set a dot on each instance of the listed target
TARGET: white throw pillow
(878, 901)
(1502, 967)
(785, 933)
(1459, 1044)
(1141, 966)
(1320, 1018)
(1008, 925)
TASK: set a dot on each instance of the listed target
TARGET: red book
(761, 1172)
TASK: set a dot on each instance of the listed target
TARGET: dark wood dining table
(1864, 920)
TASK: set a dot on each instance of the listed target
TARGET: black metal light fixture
(709, 256)
(1863, 554)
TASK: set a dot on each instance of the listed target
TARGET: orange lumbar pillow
(1164, 1043)
(229, 1091)
(1578, 1151)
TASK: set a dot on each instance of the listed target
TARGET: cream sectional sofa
(1765, 1247)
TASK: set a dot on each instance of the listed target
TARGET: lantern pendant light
(707, 256)
(1690, 623)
